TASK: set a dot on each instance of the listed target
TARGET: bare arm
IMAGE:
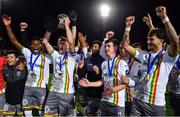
(85, 83)
(47, 35)
(119, 87)
(173, 48)
(69, 36)
(12, 37)
(73, 18)
(114, 89)
(74, 31)
(48, 46)
(125, 43)
(24, 36)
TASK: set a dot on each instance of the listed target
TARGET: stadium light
(105, 10)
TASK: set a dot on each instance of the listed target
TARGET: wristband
(22, 29)
(127, 29)
(165, 20)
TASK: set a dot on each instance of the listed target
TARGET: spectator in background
(90, 68)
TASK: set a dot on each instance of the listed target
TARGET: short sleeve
(54, 54)
(123, 67)
(26, 52)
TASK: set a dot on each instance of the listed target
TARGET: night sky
(89, 19)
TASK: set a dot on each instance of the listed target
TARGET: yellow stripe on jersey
(154, 82)
(41, 77)
(128, 94)
(115, 80)
(67, 80)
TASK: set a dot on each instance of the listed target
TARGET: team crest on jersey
(47, 109)
(6, 107)
(25, 102)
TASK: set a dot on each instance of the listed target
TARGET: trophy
(61, 18)
(52, 23)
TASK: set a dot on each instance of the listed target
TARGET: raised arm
(83, 43)
(173, 48)
(109, 35)
(69, 36)
(48, 46)
(125, 43)
(12, 37)
(73, 18)
(148, 20)
(46, 43)
(47, 35)
(24, 36)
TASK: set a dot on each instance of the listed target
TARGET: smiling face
(62, 45)
(95, 49)
(111, 47)
(36, 46)
(156, 39)
(154, 42)
(12, 59)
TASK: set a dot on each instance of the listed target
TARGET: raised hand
(23, 25)
(161, 12)
(67, 22)
(130, 20)
(147, 19)
(109, 34)
(6, 20)
(82, 39)
(73, 15)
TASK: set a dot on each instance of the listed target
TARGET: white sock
(28, 113)
(40, 113)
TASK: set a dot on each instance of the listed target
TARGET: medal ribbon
(33, 63)
(110, 69)
(152, 63)
(61, 61)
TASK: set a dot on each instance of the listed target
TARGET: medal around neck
(32, 74)
(59, 74)
(61, 17)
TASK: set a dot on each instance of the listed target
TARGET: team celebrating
(109, 78)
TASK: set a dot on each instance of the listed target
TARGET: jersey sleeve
(26, 52)
(123, 67)
(54, 54)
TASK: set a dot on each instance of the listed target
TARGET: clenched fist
(161, 12)
(130, 20)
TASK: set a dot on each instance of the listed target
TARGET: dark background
(89, 21)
